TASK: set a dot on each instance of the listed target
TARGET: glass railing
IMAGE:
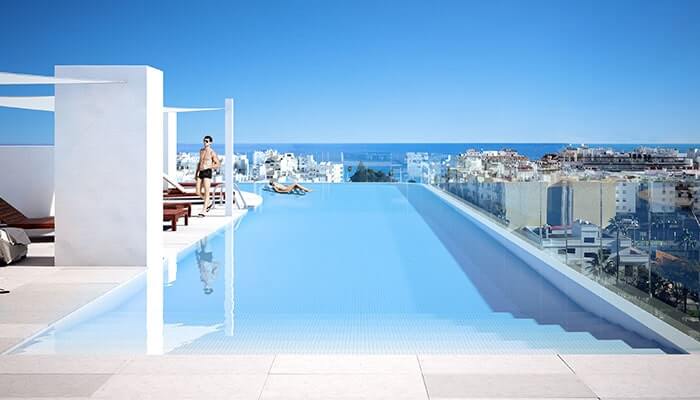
(637, 236)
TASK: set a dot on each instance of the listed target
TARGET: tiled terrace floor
(352, 377)
(42, 294)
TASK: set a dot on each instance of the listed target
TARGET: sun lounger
(294, 188)
(186, 190)
(175, 206)
(14, 218)
(173, 215)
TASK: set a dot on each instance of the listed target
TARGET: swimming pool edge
(588, 294)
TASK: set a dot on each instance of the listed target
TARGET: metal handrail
(238, 192)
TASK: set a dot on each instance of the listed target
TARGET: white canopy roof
(183, 109)
(10, 78)
(39, 103)
(46, 103)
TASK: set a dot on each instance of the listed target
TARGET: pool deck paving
(42, 294)
(352, 377)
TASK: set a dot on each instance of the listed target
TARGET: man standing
(208, 162)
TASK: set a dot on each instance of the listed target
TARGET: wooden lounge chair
(173, 206)
(14, 218)
(173, 215)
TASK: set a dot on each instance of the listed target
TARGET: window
(590, 255)
(589, 240)
(571, 251)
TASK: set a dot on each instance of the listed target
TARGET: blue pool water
(348, 268)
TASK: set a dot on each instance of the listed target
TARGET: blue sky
(383, 71)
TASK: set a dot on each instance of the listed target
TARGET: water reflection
(207, 266)
(174, 320)
(229, 273)
(154, 309)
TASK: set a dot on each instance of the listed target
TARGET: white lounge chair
(186, 191)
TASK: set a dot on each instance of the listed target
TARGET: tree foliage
(364, 174)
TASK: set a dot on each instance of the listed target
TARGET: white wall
(108, 166)
(169, 144)
(26, 179)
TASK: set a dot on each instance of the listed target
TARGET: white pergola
(119, 197)
(11, 78)
(47, 103)
(109, 213)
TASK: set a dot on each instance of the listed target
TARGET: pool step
(491, 333)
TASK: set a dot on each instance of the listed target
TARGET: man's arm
(215, 160)
(199, 161)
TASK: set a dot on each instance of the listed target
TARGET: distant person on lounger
(294, 187)
(208, 162)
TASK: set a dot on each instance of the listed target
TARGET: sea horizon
(336, 152)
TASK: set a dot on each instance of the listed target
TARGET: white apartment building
(288, 164)
(259, 158)
(330, 172)
(626, 197)
(417, 165)
(471, 162)
(306, 163)
(582, 243)
(662, 196)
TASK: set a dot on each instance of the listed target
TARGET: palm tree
(657, 224)
(686, 240)
(620, 226)
(596, 264)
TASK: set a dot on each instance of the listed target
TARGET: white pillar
(229, 281)
(108, 167)
(228, 171)
(169, 144)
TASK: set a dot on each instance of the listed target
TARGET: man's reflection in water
(207, 266)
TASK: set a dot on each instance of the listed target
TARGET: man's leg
(298, 186)
(207, 186)
(198, 187)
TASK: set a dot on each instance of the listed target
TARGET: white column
(169, 144)
(108, 167)
(228, 171)
(229, 280)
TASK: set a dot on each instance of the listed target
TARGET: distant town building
(640, 159)
(416, 166)
(626, 197)
(570, 200)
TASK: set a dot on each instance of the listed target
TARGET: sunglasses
(206, 140)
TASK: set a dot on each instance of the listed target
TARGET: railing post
(228, 170)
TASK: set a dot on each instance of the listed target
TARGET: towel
(14, 236)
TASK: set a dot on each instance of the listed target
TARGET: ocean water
(347, 268)
(395, 152)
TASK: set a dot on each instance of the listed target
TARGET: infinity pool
(348, 268)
